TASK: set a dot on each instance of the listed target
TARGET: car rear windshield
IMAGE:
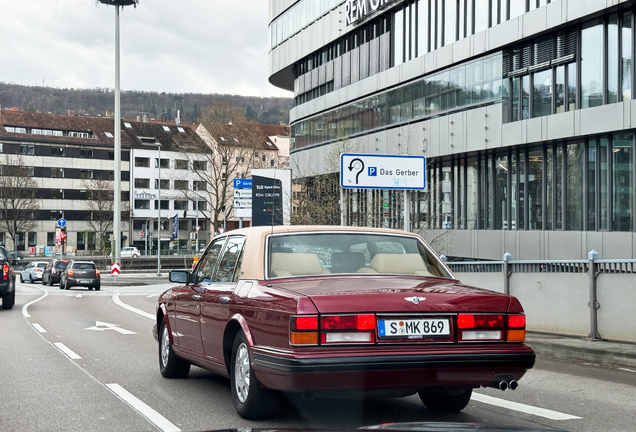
(61, 265)
(351, 253)
(84, 266)
(41, 265)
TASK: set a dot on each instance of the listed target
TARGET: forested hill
(133, 103)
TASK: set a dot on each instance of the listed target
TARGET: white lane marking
(627, 370)
(39, 328)
(152, 295)
(101, 326)
(153, 416)
(66, 350)
(25, 308)
(528, 409)
(79, 295)
(130, 308)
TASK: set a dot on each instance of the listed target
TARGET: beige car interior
(308, 264)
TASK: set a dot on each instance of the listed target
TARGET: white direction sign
(242, 203)
(243, 193)
(102, 326)
(365, 171)
(243, 212)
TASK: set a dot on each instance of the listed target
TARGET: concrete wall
(558, 302)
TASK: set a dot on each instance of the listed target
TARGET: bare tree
(17, 198)
(233, 146)
(100, 203)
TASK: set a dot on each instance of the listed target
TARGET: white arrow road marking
(153, 416)
(101, 326)
(66, 350)
(79, 295)
(528, 409)
(152, 295)
(39, 328)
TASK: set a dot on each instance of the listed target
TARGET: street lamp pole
(116, 255)
(159, 215)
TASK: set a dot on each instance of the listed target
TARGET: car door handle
(224, 299)
(196, 297)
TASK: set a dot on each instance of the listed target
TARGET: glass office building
(523, 108)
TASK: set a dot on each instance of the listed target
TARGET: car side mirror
(179, 276)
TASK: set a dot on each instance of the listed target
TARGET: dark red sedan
(339, 311)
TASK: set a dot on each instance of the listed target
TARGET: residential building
(524, 110)
(71, 160)
(171, 151)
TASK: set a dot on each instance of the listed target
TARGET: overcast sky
(194, 46)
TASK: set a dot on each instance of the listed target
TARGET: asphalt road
(86, 361)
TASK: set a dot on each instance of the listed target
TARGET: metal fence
(594, 298)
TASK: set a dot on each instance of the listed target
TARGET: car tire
(60, 284)
(31, 279)
(21, 280)
(66, 285)
(90, 288)
(446, 401)
(8, 300)
(50, 281)
(135, 256)
(170, 365)
(251, 401)
(98, 287)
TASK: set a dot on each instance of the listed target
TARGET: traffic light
(63, 236)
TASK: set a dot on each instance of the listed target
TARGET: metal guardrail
(616, 266)
(476, 266)
(130, 264)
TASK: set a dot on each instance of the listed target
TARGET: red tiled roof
(274, 130)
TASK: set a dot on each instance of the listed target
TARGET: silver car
(33, 271)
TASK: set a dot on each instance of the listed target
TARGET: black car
(53, 271)
(16, 259)
(80, 273)
(7, 280)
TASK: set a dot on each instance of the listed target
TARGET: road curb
(613, 354)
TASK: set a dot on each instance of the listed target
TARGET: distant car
(130, 252)
(81, 273)
(16, 258)
(53, 271)
(7, 280)
(33, 271)
(324, 311)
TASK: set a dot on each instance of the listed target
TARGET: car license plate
(413, 328)
(85, 281)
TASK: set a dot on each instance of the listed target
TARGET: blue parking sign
(373, 171)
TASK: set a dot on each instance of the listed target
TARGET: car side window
(208, 263)
(227, 266)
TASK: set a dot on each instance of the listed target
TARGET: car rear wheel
(8, 300)
(169, 364)
(31, 279)
(448, 401)
(50, 281)
(21, 280)
(98, 287)
(251, 401)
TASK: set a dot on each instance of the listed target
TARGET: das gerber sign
(370, 171)
(355, 10)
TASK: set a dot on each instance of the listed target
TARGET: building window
(199, 165)
(623, 182)
(592, 42)
(142, 183)
(142, 204)
(181, 164)
(58, 151)
(165, 163)
(86, 174)
(165, 184)
(165, 204)
(27, 149)
(203, 205)
(81, 241)
(108, 135)
(626, 56)
(142, 162)
(138, 225)
(86, 153)
(181, 205)
(182, 185)
(575, 186)
(33, 239)
(199, 185)
(57, 193)
(57, 172)
(183, 225)
(542, 93)
(50, 239)
(19, 242)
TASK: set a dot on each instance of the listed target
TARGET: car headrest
(347, 261)
(399, 264)
(296, 264)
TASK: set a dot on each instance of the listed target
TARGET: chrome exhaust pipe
(503, 385)
(513, 385)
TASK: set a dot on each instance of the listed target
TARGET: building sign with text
(356, 10)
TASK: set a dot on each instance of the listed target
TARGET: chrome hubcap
(165, 346)
(242, 372)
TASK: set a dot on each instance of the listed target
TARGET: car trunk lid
(390, 294)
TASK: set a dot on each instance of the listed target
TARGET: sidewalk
(613, 354)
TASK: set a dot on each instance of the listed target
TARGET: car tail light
(97, 273)
(5, 272)
(303, 330)
(38, 269)
(53, 271)
(347, 329)
(517, 328)
(480, 327)
(70, 273)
